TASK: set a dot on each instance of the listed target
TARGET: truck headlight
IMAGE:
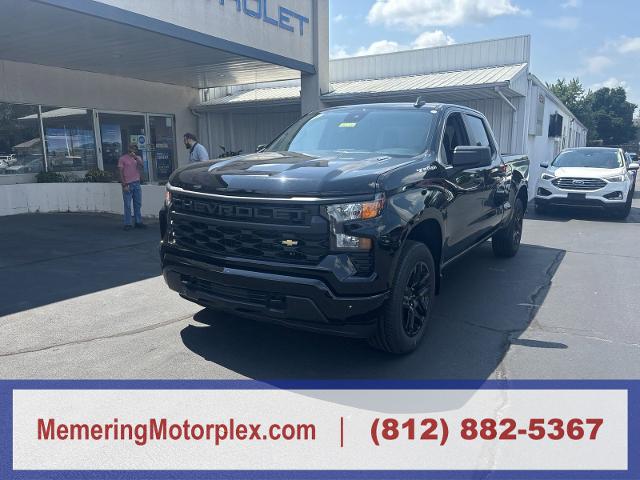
(547, 176)
(167, 198)
(356, 211)
(617, 178)
(353, 211)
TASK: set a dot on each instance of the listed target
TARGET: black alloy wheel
(415, 302)
(518, 222)
(405, 316)
(506, 241)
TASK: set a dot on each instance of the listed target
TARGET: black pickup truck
(345, 222)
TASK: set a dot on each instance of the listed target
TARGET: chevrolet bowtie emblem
(290, 243)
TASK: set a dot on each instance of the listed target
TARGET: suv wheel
(506, 242)
(541, 209)
(624, 211)
(407, 312)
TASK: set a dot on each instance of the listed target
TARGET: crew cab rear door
(469, 208)
(493, 176)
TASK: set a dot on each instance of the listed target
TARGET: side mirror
(544, 165)
(261, 148)
(634, 166)
(471, 157)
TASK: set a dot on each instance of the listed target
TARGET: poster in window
(111, 143)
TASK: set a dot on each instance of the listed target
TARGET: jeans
(135, 194)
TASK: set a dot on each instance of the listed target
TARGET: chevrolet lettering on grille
(221, 210)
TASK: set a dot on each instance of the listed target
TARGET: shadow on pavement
(485, 304)
(54, 257)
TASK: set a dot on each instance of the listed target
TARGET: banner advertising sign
(516, 429)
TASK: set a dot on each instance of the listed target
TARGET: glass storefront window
(20, 141)
(69, 139)
(70, 143)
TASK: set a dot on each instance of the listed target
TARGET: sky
(597, 41)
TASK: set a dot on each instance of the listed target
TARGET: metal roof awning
(86, 35)
(443, 86)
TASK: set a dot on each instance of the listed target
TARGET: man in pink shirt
(130, 166)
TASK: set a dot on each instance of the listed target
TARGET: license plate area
(577, 196)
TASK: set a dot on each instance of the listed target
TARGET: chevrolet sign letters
(259, 9)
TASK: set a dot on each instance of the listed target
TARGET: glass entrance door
(162, 145)
(117, 132)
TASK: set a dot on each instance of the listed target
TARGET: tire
(623, 212)
(541, 209)
(506, 242)
(406, 314)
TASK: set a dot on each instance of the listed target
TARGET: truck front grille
(254, 297)
(271, 243)
(243, 211)
(587, 184)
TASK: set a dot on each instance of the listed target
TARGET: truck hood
(287, 174)
(584, 172)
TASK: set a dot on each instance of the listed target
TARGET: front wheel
(407, 313)
(623, 212)
(541, 209)
(506, 242)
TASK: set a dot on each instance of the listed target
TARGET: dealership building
(81, 79)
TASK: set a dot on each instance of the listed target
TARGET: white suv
(595, 177)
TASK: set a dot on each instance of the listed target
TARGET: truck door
(493, 176)
(468, 207)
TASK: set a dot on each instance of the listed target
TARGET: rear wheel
(407, 313)
(506, 242)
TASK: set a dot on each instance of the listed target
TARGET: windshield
(384, 131)
(595, 158)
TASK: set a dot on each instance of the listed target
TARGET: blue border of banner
(6, 427)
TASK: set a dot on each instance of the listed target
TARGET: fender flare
(426, 215)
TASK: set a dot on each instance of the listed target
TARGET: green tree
(612, 115)
(571, 93)
(606, 112)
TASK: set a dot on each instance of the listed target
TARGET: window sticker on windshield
(348, 125)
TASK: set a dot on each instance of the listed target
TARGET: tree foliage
(606, 112)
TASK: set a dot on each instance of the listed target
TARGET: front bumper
(547, 194)
(292, 300)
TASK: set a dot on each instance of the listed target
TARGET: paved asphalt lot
(80, 298)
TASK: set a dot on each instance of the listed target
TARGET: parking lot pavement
(83, 299)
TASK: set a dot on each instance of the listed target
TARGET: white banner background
(324, 409)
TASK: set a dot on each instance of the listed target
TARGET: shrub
(98, 176)
(51, 177)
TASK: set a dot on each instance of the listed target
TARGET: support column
(313, 85)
